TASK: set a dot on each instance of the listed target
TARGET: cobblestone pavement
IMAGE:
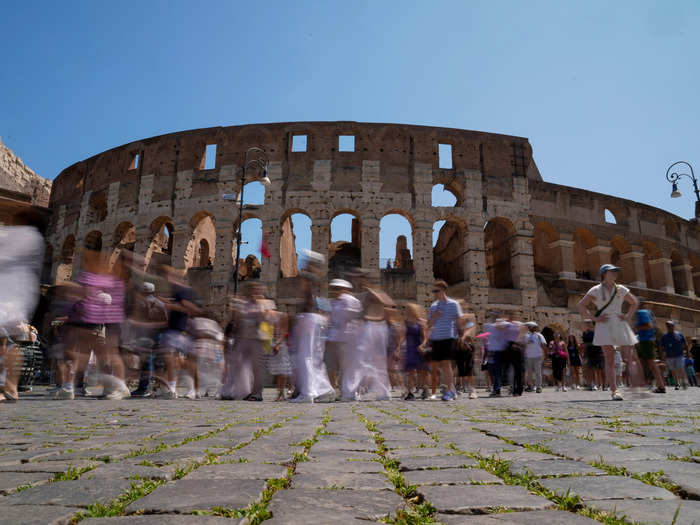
(550, 458)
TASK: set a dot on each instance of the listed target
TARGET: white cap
(340, 283)
(104, 298)
(148, 288)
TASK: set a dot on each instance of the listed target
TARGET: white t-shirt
(533, 344)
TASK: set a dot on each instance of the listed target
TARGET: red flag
(264, 250)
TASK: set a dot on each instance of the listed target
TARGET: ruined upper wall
(398, 147)
(16, 176)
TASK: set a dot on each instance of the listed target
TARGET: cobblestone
(470, 461)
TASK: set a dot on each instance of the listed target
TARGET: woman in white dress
(612, 328)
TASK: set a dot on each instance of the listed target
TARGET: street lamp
(673, 179)
(260, 163)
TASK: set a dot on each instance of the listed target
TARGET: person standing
(535, 346)
(646, 348)
(560, 358)
(414, 367)
(345, 312)
(675, 347)
(612, 326)
(572, 348)
(443, 319)
(594, 357)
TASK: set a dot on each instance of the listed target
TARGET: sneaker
(64, 393)
(660, 390)
(191, 394)
(409, 397)
(434, 397)
(564, 389)
(448, 396)
(120, 392)
(300, 399)
(594, 388)
(677, 388)
(617, 396)
(538, 390)
(165, 393)
(473, 395)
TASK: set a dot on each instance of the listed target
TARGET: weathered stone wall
(16, 176)
(515, 242)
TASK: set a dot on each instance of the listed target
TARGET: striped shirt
(445, 324)
(94, 310)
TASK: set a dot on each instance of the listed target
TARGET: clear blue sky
(607, 92)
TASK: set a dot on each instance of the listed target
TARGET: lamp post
(260, 162)
(673, 177)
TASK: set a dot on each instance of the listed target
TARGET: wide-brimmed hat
(609, 268)
(531, 324)
(340, 283)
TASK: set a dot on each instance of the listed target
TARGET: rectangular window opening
(298, 143)
(445, 156)
(346, 142)
(210, 157)
(135, 162)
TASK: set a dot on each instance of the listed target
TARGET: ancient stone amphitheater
(511, 241)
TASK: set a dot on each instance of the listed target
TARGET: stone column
(271, 266)
(475, 267)
(662, 274)
(370, 248)
(523, 267)
(597, 257)
(632, 264)
(684, 271)
(423, 259)
(320, 238)
(181, 238)
(565, 246)
(222, 272)
(141, 246)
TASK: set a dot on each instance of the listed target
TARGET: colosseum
(511, 241)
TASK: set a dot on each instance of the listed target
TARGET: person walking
(675, 346)
(535, 347)
(443, 319)
(560, 358)
(646, 348)
(416, 334)
(345, 313)
(572, 348)
(612, 326)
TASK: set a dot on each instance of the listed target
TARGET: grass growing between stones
(117, 506)
(650, 478)
(418, 511)
(71, 473)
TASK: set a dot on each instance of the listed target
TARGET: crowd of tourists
(118, 332)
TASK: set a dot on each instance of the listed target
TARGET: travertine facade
(511, 242)
(16, 176)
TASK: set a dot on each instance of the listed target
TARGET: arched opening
(442, 196)
(619, 248)
(610, 217)
(695, 272)
(448, 251)
(295, 237)
(547, 259)
(160, 248)
(345, 249)
(64, 271)
(395, 243)
(584, 261)
(254, 193)
(93, 241)
(678, 272)
(124, 239)
(498, 241)
(250, 263)
(655, 277)
(202, 244)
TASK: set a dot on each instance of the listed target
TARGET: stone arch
(254, 193)
(498, 239)
(547, 257)
(655, 277)
(124, 239)
(620, 247)
(449, 238)
(444, 196)
(393, 242)
(160, 247)
(610, 217)
(201, 246)
(93, 241)
(295, 236)
(97, 207)
(680, 286)
(64, 270)
(250, 264)
(585, 263)
(695, 272)
(345, 252)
